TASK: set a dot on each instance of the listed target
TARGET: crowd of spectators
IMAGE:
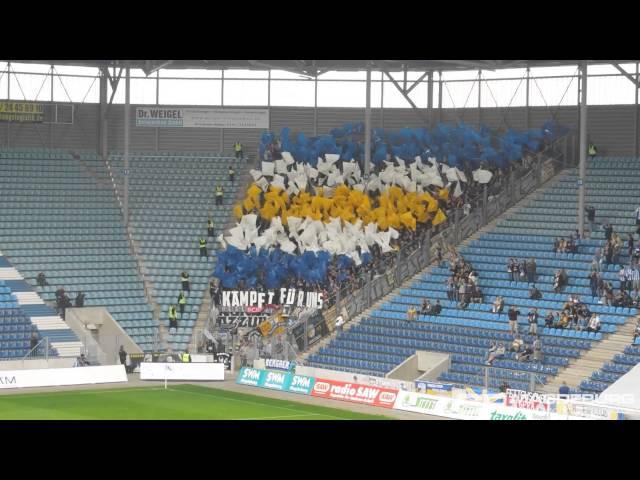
(462, 284)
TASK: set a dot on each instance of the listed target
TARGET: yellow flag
(439, 218)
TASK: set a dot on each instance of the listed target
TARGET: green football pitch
(181, 402)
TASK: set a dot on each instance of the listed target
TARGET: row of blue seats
(461, 352)
(474, 344)
(494, 335)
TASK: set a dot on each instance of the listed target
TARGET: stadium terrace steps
(594, 359)
(61, 217)
(170, 198)
(24, 311)
(524, 231)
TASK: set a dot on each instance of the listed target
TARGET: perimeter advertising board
(354, 392)
(276, 380)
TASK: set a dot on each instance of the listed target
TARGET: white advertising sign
(202, 117)
(182, 371)
(468, 410)
(50, 377)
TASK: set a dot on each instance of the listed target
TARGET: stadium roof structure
(315, 68)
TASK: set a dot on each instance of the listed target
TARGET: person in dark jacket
(80, 299)
(531, 270)
(591, 217)
(123, 357)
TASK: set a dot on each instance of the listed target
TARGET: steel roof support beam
(628, 75)
(406, 97)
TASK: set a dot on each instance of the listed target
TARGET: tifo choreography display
(474, 262)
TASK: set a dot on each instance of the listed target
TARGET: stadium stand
(23, 312)
(171, 199)
(60, 217)
(383, 339)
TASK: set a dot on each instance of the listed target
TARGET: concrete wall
(103, 343)
(422, 365)
(614, 128)
(37, 364)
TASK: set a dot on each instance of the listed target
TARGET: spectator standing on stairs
(219, 195)
(34, 340)
(513, 319)
(594, 280)
(531, 270)
(232, 173)
(203, 248)
(533, 321)
(182, 302)
(608, 230)
(173, 318)
(184, 279)
(237, 147)
(564, 390)
(123, 357)
(210, 229)
(591, 217)
(637, 215)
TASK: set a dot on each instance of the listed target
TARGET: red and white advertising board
(354, 392)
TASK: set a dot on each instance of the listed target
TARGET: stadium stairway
(22, 311)
(171, 196)
(60, 217)
(384, 339)
(244, 180)
(594, 359)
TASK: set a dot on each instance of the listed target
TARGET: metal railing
(39, 352)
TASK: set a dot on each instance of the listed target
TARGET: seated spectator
(498, 305)
(534, 293)
(339, 323)
(411, 314)
(564, 390)
(525, 355)
(80, 299)
(517, 344)
(476, 294)
(437, 308)
(426, 308)
(473, 278)
(537, 349)
(548, 320)
(564, 320)
(556, 245)
(495, 352)
(82, 361)
(41, 280)
(594, 324)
